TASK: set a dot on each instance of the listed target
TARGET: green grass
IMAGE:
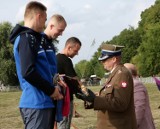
(10, 117)
(9, 111)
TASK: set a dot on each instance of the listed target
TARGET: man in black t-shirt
(65, 66)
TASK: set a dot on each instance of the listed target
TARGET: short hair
(132, 69)
(59, 18)
(133, 72)
(73, 41)
(34, 6)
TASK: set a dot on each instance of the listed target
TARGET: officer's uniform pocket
(108, 92)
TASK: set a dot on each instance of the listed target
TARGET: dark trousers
(38, 118)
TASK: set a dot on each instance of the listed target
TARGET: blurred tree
(80, 68)
(96, 64)
(148, 56)
(130, 39)
(147, 60)
(7, 65)
(85, 68)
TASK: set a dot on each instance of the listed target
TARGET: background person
(115, 103)
(55, 28)
(33, 69)
(65, 66)
(141, 101)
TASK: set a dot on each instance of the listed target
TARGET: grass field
(10, 117)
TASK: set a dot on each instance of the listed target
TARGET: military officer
(115, 103)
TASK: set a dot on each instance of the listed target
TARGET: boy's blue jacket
(36, 65)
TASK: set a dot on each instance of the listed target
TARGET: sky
(89, 20)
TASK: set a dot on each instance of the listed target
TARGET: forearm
(37, 81)
(110, 104)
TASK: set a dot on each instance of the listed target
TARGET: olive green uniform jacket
(115, 104)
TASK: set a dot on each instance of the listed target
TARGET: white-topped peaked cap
(109, 50)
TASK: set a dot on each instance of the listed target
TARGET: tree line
(142, 47)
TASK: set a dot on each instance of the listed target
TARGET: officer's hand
(90, 97)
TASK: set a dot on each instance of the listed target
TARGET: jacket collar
(113, 73)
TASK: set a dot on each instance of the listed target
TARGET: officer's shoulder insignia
(123, 84)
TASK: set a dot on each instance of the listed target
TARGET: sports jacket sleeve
(27, 53)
